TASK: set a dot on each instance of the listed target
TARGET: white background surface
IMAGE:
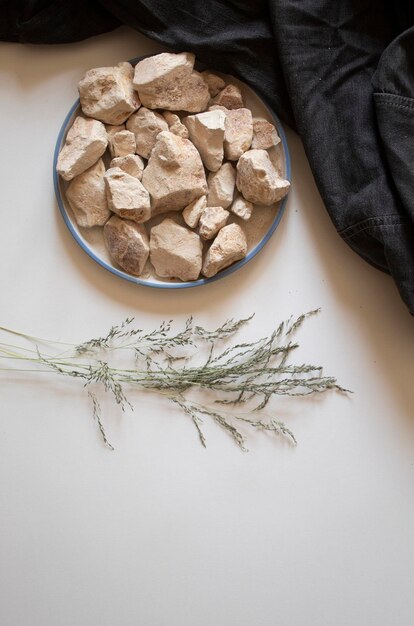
(162, 532)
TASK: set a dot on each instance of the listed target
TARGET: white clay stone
(230, 97)
(229, 246)
(126, 196)
(131, 164)
(214, 82)
(107, 93)
(174, 175)
(265, 135)
(146, 125)
(221, 186)
(175, 125)
(193, 211)
(238, 133)
(258, 180)
(127, 243)
(85, 143)
(207, 134)
(122, 143)
(175, 251)
(212, 219)
(87, 197)
(168, 81)
(242, 208)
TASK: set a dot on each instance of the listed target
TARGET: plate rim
(179, 285)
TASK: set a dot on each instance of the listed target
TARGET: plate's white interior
(256, 228)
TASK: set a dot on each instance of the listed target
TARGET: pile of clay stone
(208, 165)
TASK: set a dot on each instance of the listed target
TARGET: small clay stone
(146, 125)
(87, 197)
(193, 211)
(265, 135)
(175, 125)
(126, 196)
(214, 83)
(242, 208)
(212, 219)
(122, 143)
(229, 246)
(86, 142)
(221, 186)
(230, 97)
(131, 164)
(127, 243)
(175, 251)
(207, 134)
(238, 133)
(258, 180)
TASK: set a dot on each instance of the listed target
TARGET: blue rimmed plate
(259, 228)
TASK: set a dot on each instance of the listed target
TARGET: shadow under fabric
(340, 72)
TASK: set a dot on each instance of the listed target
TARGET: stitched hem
(372, 222)
(395, 100)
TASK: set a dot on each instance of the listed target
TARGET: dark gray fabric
(339, 71)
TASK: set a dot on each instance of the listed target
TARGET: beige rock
(168, 81)
(131, 164)
(107, 93)
(87, 198)
(265, 135)
(126, 196)
(112, 129)
(221, 186)
(122, 143)
(238, 133)
(214, 82)
(230, 97)
(127, 243)
(212, 219)
(193, 211)
(258, 180)
(174, 175)
(207, 134)
(175, 125)
(218, 107)
(85, 143)
(146, 125)
(229, 246)
(175, 251)
(242, 208)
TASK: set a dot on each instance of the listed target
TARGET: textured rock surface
(112, 129)
(107, 93)
(193, 211)
(127, 243)
(175, 251)
(131, 164)
(126, 195)
(212, 219)
(265, 135)
(214, 82)
(87, 197)
(230, 97)
(207, 134)
(122, 143)
(168, 81)
(175, 125)
(229, 246)
(174, 175)
(85, 143)
(238, 133)
(221, 186)
(146, 125)
(242, 208)
(258, 180)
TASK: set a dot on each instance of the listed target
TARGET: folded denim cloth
(338, 71)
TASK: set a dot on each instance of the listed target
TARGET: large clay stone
(229, 246)
(193, 211)
(87, 197)
(230, 97)
(207, 134)
(258, 180)
(175, 125)
(265, 135)
(238, 133)
(168, 81)
(175, 251)
(146, 125)
(126, 196)
(127, 243)
(107, 93)
(131, 164)
(214, 82)
(122, 143)
(85, 143)
(174, 175)
(221, 186)
(212, 219)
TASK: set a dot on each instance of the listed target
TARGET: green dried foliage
(243, 375)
